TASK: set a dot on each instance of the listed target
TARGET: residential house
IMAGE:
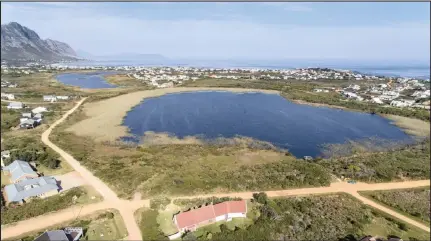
(37, 117)
(36, 187)
(7, 96)
(4, 155)
(28, 124)
(49, 98)
(62, 97)
(402, 103)
(376, 100)
(26, 115)
(67, 234)
(193, 219)
(39, 109)
(19, 170)
(15, 105)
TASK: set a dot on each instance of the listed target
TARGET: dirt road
(108, 195)
(127, 208)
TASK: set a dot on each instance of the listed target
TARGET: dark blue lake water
(93, 80)
(301, 129)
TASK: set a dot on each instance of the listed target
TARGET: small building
(67, 234)
(15, 105)
(4, 155)
(39, 109)
(38, 116)
(19, 170)
(62, 97)
(27, 115)
(36, 187)
(49, 98)
(7, 96)
(193, 219)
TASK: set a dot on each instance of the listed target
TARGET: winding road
(127, 208)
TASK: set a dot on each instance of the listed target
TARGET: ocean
(399, 70)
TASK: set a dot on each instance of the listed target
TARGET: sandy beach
(105, 117)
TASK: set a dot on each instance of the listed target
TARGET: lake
(302, 129)
(92, 80)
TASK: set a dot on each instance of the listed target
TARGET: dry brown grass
(411, 126)
(106, 116)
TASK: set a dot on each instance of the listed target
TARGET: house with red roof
(195, 218)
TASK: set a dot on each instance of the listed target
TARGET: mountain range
(21, 43)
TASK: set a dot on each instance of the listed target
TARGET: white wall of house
(236, 215)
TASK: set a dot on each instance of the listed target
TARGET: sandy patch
(106, 116)
(411, 126)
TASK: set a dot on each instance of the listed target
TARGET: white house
(39, 109)
(7, 96)
(402, 103)
(376, 100)
(62, 97)
(15, 105)
(195, 218)
(49, 98)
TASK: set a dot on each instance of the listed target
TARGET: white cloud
(99, 33)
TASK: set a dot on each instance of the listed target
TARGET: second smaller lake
(93, 80)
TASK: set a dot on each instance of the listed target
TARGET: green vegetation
(9, 119)
(410, 162)
(159, 203)
(329, 217)
(14, 213)
(147, 220)
(102, 225)
(30, 149)
(414, 202)
(187, 169)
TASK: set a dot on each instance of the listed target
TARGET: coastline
(105, 117)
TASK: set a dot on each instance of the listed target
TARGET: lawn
(106, 228)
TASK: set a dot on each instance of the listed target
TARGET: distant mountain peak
(20, 42)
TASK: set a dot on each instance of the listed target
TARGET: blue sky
(374, 31)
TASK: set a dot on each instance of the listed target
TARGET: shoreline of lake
(104, 125)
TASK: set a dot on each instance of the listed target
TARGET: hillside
(20, 42)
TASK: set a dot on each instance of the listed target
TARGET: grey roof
(18, 169)
(49, 96)
(30, 188)
(15, 104)
(54, 235)
(5, 153)
(38, 116)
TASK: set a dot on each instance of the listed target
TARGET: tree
(260, 197)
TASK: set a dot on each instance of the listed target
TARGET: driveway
(70, 180)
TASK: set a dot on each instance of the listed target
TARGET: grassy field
(14, 213)
(123, 80)
(411, 202)
(190, 168)
(102, 225)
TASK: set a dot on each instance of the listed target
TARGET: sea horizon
(390, 70)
